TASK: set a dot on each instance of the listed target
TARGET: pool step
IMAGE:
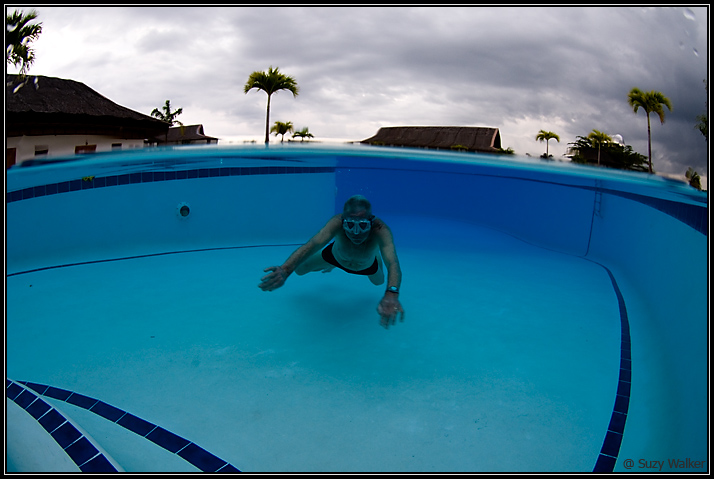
(46, 439)
(177, 445)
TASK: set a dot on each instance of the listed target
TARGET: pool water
(508, 358)
(541, 333)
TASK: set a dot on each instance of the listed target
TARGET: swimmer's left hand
(388, 309)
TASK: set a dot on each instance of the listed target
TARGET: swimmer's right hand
(274, 280)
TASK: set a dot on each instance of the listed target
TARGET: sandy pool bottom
(507, 360)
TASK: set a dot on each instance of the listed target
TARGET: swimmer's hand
(388, 309)
(274, 280)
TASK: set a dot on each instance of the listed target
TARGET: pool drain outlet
(183, 210)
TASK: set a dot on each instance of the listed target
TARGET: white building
(48, 117)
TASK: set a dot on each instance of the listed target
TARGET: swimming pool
(556, 316)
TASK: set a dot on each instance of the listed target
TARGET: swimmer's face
(357, 225)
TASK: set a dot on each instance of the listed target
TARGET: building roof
(185, 134)
(469, 138)
(55, 106)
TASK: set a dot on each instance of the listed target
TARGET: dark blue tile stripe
(192, 453)
(695, 216)
(67, 265)
(77, 447)
(616, 429)
(91, 182)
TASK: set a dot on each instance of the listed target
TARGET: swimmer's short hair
(357, 202)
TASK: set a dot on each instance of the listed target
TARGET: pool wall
(537, 210)
(637, 229)
(661, 265)
(99, 213)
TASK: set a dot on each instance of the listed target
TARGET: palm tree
(702, 119)
(598, 138)
(167, 115)
(694, 178)
(651, 102)
(270, 82)
(547, 136)
(281, 128)
(304, 133)
(19, 33)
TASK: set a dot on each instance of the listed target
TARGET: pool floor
(508, 359)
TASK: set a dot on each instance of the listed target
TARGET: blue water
(509, 358)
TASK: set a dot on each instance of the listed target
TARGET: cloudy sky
(562, 69)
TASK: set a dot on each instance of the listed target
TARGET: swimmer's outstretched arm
(277, 275)
(390, 307)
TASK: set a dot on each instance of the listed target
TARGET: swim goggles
(356, 226)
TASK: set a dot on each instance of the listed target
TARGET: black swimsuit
(330, 258)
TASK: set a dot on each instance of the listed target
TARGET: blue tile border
(616, 428)
(74, 443)
(91, 182)
(80, 449)
(695, 216)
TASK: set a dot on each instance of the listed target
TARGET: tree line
(622, 156)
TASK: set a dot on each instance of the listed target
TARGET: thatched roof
(467, 138)
(54, 106)
(189, 134)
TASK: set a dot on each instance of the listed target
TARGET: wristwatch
(393, 289)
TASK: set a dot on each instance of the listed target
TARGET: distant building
(49, 116)
(464, 138)
(184, 135)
